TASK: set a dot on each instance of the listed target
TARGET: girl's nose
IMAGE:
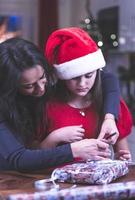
(82, 81)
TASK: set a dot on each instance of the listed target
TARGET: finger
(79, 134)
(81, 125)
(104, 154)
(106, 150)
(111, 137)
(99, 158)
(78, 126)
(123, 158)
(102, 145)
(78, 138)
(127, 157)
(113, 140)
(82, 130)
(104, 140)
(101, 135)
(122, 151)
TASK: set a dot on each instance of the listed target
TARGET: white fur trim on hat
(80, 66)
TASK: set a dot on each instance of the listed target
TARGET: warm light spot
(100, 43)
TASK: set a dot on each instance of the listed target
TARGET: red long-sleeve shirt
(61, 115)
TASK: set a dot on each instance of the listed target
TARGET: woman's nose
(41, 85)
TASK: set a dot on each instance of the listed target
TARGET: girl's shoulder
(55, 103)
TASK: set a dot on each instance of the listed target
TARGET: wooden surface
(15, 182)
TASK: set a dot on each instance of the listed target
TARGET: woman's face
(33, 82)
(81, 85)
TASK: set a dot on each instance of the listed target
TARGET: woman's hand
(67, 134)
(93, 149)
(108, 127)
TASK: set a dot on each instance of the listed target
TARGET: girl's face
(81, 85)
(33, 82)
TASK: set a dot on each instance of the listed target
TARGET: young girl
(78, 99)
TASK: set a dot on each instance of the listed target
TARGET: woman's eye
(43, 76)
(28, 86)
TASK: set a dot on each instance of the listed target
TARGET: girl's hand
(93, 149)
(108, 127)
(66, 134)
(69, 134)
(123, 155)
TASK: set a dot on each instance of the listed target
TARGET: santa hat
(73, 53)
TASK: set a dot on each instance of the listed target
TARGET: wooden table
(15, 182)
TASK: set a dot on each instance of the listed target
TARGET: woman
(24, 84)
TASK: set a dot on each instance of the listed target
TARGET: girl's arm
(67, 134)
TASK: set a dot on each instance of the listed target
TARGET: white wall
(71, 12)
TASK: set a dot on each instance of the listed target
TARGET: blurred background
(111, 23)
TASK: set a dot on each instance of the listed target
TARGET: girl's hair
(18, 111)
(95, 95)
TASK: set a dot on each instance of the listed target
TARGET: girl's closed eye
(89, 75)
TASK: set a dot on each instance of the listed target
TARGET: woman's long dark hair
(20, 112)
(95, 95)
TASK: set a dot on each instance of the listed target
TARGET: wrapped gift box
(112, 191)
(93, 172)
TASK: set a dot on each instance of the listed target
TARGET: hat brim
(80, 66)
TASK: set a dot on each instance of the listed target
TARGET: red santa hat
(73, 53)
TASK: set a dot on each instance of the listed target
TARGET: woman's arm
(111, 93)
(111, 99)
(14, 156)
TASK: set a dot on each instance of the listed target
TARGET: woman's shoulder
(107, 74)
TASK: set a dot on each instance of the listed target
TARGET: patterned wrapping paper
(113, 191)
(93, 172)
